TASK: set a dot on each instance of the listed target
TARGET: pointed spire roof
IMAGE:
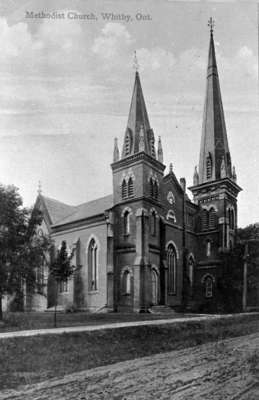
(214, 143)
(138, 127)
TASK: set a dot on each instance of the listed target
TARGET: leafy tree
(21, 251)
(230, 283)
(61, 269)
(249, 232)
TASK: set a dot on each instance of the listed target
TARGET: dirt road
(225, 370)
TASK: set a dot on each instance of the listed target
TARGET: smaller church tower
(214, 185)
(137, 178)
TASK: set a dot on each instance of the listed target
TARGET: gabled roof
(52, 209)
(58, 210)
(58, 213)
(87, 210)
(171, 176)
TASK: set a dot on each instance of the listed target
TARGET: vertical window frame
(172, 268)
(93, 266)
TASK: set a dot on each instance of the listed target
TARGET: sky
(66, 86)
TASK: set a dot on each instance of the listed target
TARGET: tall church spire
(215, 161)
(138, 136)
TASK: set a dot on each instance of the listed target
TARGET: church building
(147, 243)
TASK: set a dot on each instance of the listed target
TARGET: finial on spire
(39, 187)
(170, 168)
(211, 24)
(135, 62)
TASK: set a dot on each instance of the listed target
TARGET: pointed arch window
(212, 218)
(156, 190)
(232, 219)
(151, 187)
(130, 187)
(126, 282)
(190, 270)
(153, 223)
(171, 262)
(124, 190)
(204, 219)
(92, 265)
(208, 248)
(126, 223)
(209, 166)
(208, 287)
(63, 286)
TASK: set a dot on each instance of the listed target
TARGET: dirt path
(223, 370)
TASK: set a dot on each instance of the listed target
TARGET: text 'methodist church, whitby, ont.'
(147, 243)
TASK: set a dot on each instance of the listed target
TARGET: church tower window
(212, 218)
(124, 190)
(171, 262)
(151, 187)
(92, 265)
(231, 218)
(208, 248)
(209, 166)
(126, 223)
(155, 190)
(153, 223)
(130, 187)
(204, 219)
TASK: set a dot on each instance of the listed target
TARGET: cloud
(155, 58)
(44, 69)
(58, 65)
(113, 39)
(14, 40)
(248, 61)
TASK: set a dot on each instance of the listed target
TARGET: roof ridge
(57, 201)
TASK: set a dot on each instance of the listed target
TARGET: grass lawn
(40, 320)
(32, 359)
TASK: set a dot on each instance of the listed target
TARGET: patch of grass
(41, 320)
(32, 359)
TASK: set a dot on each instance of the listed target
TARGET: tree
(240, 280)
(230, 283)
(21, 251)
(61, 269)
(249, 232)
